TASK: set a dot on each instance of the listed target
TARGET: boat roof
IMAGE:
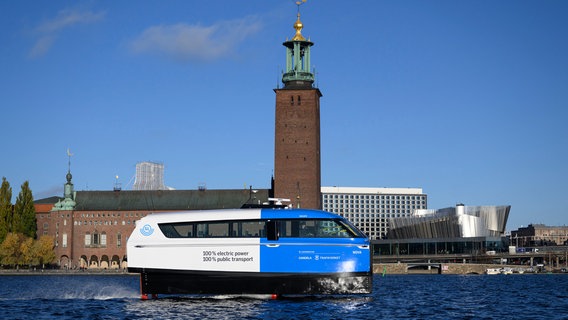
(237, 214)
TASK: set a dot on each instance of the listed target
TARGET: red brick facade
(297, 164)
(89, 239)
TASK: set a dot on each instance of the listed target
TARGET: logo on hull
(146, 230)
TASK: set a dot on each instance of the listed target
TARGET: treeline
(19, 245)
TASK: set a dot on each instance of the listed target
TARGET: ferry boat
(249, 251)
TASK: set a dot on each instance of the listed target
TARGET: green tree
(24, 218)
(44, 250)
(5, 209)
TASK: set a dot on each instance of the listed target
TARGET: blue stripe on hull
(313, 258)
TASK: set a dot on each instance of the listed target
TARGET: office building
(371, 208)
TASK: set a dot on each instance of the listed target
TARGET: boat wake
(68, 288)
(100, 293)
(352, 285)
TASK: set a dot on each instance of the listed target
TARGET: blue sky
(465, 99)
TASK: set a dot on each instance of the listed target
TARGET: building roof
(50, 200)
(363, 190)
(162, 200)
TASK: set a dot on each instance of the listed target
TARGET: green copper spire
(68, 202)
(297, 72)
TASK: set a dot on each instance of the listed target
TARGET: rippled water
(394, 297)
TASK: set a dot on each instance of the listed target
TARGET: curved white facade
(459, 222)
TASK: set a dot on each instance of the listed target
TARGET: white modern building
(149, 176)
(371, 208)
(455, 222)
(462, 230)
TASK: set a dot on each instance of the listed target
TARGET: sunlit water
(394, 297)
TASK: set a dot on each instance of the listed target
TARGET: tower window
(299, 100)
(292, 100)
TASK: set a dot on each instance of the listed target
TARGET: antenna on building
(117, 185)
(69, 154)
(298, 196)
(130, 181)
(316, 78)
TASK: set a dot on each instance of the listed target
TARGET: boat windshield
(287, 228)
(315, 228)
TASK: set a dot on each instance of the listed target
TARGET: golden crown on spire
(298, 25)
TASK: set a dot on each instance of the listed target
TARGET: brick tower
(297, 165)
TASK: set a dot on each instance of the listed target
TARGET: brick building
(535, 235)
(91, 227)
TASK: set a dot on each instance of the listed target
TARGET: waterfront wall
(439, 268)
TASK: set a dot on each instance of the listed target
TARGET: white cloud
(47, 32)
(183, 42)
(41, 46)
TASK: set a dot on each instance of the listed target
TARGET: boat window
(215, 229)
(284, 228)
(178, 230)
(249, 229)
(316, 228)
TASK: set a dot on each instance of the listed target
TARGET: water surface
(543, 296)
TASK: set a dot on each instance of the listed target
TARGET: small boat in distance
(507, 271)
(250, 251)
(493, 271)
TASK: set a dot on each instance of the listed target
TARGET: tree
(44, 250)
(18, 250)
(27, 255)
(5, 209)
(24, 218)
(10, 249)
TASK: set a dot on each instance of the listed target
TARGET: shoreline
(61, 272)
(378, 268)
